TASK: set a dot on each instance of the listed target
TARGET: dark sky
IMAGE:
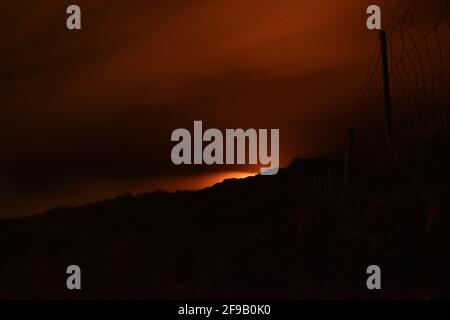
(88, 114)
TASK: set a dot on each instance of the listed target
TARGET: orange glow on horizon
(212, 179)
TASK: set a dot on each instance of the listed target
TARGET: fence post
(386, 87)
(330, 183)
(348, 152)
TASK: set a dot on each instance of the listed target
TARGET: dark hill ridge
(299, 234)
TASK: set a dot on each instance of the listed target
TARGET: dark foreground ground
(300, 234)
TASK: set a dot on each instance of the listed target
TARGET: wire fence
(418, 47)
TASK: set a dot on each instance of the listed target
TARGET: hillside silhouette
(299, 234)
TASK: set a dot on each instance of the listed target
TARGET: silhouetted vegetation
(299, 234)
